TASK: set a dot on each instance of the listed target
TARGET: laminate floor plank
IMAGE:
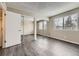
(43, 46)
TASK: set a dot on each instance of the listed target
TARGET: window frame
(76, 28)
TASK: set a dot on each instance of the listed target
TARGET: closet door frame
(3, 28)
(3, 15)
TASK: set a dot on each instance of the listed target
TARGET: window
(68, 22)
(45, 25)
(59, 23)
(42, 25)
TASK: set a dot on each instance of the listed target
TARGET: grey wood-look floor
(43, 46)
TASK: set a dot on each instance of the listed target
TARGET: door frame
(2, 28)
(3, 7)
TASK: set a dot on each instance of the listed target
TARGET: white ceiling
(43, 9)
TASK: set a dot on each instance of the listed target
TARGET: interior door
(13, 34)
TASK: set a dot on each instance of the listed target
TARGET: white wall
(28, 25)
(3, 4)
